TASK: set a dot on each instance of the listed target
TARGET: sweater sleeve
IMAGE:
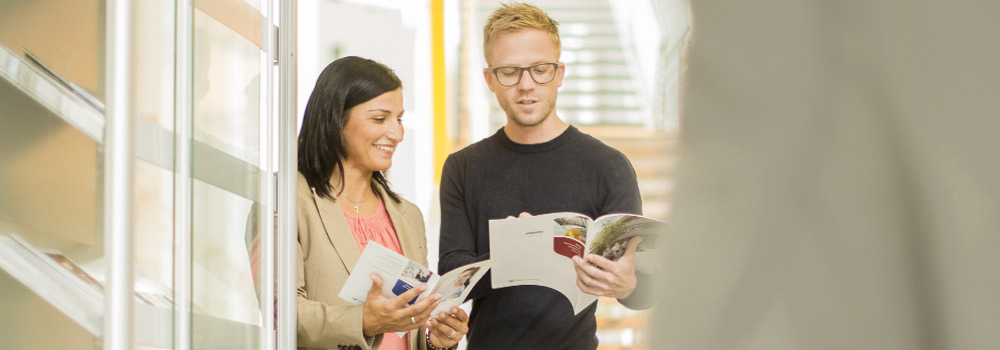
(457, 244)
(620, 188)
(621, 195)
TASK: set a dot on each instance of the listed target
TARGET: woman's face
(373, 130)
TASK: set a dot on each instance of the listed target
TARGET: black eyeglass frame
(520, 73)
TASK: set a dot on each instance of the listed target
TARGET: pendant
(356, 211)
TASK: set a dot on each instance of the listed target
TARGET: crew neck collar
(506, 142)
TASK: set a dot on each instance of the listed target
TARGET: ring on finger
(413, 320)
(452, 335)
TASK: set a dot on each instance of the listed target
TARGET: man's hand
(523, 214)
(602, 277)
(382, 315)
(448, 327)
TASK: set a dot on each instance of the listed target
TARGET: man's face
(526, 103)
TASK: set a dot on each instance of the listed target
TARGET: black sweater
(495, 178)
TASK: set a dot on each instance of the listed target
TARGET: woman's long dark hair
(345, 83)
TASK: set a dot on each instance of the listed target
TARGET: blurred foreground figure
(839, 186)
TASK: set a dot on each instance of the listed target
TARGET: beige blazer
(327, 252)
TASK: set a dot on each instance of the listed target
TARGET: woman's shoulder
(404, 207)
(302, 189)
(302, 185)
(304, 196)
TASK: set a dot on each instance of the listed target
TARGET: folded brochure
(399, 274)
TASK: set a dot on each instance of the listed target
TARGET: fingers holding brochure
(382, 315)
(447, 328)
(523, 214)
(399, 294)
(598, 275)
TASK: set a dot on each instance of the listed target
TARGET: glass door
(231, 191)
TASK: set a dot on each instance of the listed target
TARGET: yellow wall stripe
(442, 140)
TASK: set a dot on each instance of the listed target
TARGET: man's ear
(560, 73)
(488, 75)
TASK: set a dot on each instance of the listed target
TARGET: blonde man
(535, 164)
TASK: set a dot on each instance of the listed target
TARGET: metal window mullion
(287, 175)
(183, 112)
(118, 177)
(268, 198)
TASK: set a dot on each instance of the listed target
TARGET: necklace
(357, 204)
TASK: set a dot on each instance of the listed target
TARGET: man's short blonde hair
(517, 16)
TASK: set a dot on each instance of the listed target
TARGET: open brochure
(537, 250)
(399, 274)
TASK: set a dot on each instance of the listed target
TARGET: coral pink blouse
(378, 228)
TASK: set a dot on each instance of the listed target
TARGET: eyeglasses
(541, 73)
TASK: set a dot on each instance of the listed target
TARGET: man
(535, 164)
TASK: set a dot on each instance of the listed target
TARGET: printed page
(533, 251)
(398, 273)
(456, 285)
(611, 234)
(569, 235)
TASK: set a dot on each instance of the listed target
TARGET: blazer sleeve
(322, 325)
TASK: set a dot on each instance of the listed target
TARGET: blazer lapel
(338, 231)
(404, 232)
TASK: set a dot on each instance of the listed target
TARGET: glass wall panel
(152, 74)
(52, 114)
(227, 157)
(51, 120)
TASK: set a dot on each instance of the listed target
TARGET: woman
(351, 128)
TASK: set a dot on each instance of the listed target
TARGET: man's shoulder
(585, 143)
(477, 149)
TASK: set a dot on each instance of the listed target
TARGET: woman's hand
(383, 315)
(448, 327)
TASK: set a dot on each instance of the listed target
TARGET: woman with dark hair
(352, 125)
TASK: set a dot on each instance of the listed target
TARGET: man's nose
(526, 82)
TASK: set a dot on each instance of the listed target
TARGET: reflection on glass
(226, 89)
(222, 278)
(50, 178)
(154, 222)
